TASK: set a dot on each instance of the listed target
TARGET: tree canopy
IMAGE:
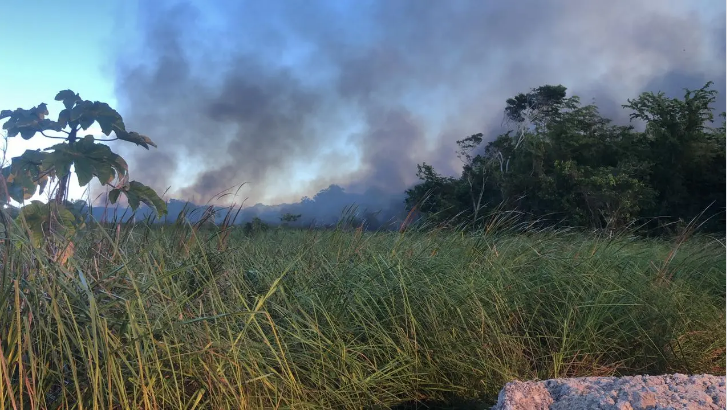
(564, 162)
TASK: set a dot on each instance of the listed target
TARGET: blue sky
(55, 46)
(292, 96)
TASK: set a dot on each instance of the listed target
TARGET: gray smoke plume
(294, 96)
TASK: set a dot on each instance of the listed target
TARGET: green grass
(152, 318)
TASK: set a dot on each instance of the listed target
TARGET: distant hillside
(374, 207)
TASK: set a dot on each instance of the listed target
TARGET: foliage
(47, 219)
(144, 318)
(290, 217)
(436, 195)
(35, 169)
(255, 226)
(687, 156)
(564, 161)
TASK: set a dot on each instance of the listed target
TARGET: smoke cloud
(294, 96)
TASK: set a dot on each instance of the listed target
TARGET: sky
(291, 96)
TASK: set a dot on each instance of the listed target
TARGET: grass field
(173, 318)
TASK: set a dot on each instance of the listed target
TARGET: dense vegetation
(561, 164)
(496, 281)
(565, 163)
(184, 317)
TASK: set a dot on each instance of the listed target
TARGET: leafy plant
(35, 169)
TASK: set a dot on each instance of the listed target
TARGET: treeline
(561, 163)
(564, 163)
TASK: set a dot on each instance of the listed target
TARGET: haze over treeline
(293, 99)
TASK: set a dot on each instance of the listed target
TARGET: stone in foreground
(673, 391)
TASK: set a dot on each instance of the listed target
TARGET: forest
(564, 163)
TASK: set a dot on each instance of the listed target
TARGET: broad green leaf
(138, 192)
(90, 159)
(64, 117)
(68, 97)
(60, 159)
(28, 122)
(79, 110)
(46, 219)
(24, 174)
(134, 200)
(85, 113)
(47, 124)
(86, 121)
(105, 175)
(29, 158)
(25, 120)
(84, 171)
(108, 118)
(40, 111)
(136, 138)
(119, 164)
(114, 195)
(20, 185)
(27, 133)
(42, 183)
(105, 163)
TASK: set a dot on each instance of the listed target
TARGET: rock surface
(673, 391)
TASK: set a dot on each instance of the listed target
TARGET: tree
(532, 112)
(436, 197)
(257, 225)
(35, 169)
(688, 156)
(563, 161)
(476, 173)
(536, 106)
(598, 173)
(289, 218)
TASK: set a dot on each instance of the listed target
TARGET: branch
(501, 160)
(520, 139)
(56, 137)
(44, 173)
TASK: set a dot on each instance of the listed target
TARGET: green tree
(436, 197)
(287, 218)
(532, 113)
(480, 175)
(595, 181)
(572, 164)
(290, 217)
(257, 225)
(688, 155)
(565, 161)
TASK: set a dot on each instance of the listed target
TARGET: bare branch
(55, 137)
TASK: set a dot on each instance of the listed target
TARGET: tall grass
(175, 317)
